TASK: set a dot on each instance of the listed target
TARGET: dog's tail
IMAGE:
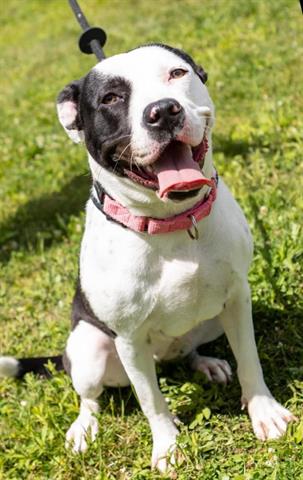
(17, 368)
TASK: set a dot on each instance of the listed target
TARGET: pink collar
(153, 226)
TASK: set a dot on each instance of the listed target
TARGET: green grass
(252, 52)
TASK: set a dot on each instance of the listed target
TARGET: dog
(166, 248)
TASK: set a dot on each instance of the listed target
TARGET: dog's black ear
(201, 73)
(68, 110)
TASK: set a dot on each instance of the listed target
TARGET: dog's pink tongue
(177, 170)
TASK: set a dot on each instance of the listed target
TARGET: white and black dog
(166, 248)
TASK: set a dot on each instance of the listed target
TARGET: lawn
(253, 53)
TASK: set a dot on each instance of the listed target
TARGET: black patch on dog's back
(81, 310)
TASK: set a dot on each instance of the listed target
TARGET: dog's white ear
(68, 111)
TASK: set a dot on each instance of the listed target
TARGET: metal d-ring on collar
(195, 234)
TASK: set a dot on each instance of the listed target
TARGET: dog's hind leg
(215, 369)
(93, 363)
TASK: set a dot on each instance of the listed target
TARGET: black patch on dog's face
(180, 53)
(105, 124)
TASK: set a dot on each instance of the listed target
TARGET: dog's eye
(110, 99)
(177, 73)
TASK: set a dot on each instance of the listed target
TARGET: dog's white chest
(169, 283)
(190, 290)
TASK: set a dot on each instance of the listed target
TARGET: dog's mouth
(175, 174)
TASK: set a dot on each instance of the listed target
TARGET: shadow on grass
(231, 148)
(44, 219)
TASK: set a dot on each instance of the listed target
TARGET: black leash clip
(93, 38)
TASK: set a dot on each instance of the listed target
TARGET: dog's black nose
(165, 114)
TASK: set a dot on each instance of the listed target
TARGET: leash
(93, 39)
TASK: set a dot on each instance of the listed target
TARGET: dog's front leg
(269, 418)
(137, 358)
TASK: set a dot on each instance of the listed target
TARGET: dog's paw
(216, 370)
(77, 435)
(164, 454)
(269, 419)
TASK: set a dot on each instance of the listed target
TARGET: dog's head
(145, 115)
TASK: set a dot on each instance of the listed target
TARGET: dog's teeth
(149, 169)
